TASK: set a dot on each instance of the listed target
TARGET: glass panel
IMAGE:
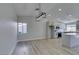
(71, 27)
(22, 27)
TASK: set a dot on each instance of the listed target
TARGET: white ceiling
(28, 9)
(25, 9)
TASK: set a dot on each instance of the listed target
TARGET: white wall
(34, 30)
(8, 28)
(54, 22)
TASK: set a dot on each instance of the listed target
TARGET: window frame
(22, 28)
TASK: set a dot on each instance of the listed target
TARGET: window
(22, 27)
(71, 27)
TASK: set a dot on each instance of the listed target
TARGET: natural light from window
(71, 28)
(22, 27)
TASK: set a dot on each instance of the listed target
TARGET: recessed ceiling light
(70, 15)
(59, 9)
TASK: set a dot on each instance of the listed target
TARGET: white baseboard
(30, 39)
(13, 48)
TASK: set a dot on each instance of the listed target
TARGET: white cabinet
(70, 40)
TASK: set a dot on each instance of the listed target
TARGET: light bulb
(59, 9)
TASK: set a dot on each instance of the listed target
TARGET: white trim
(30, 39)
(13, 48)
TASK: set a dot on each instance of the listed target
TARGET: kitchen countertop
(71, 33)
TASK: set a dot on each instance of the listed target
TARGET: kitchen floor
(44, 47)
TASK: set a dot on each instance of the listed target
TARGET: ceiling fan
(40, 13)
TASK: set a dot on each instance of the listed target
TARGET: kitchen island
(70, 39)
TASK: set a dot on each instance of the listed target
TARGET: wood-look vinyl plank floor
(44, 47)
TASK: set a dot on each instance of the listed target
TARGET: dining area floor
(44, 47)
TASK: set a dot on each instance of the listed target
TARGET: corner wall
(8, 28)
(34, 30)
